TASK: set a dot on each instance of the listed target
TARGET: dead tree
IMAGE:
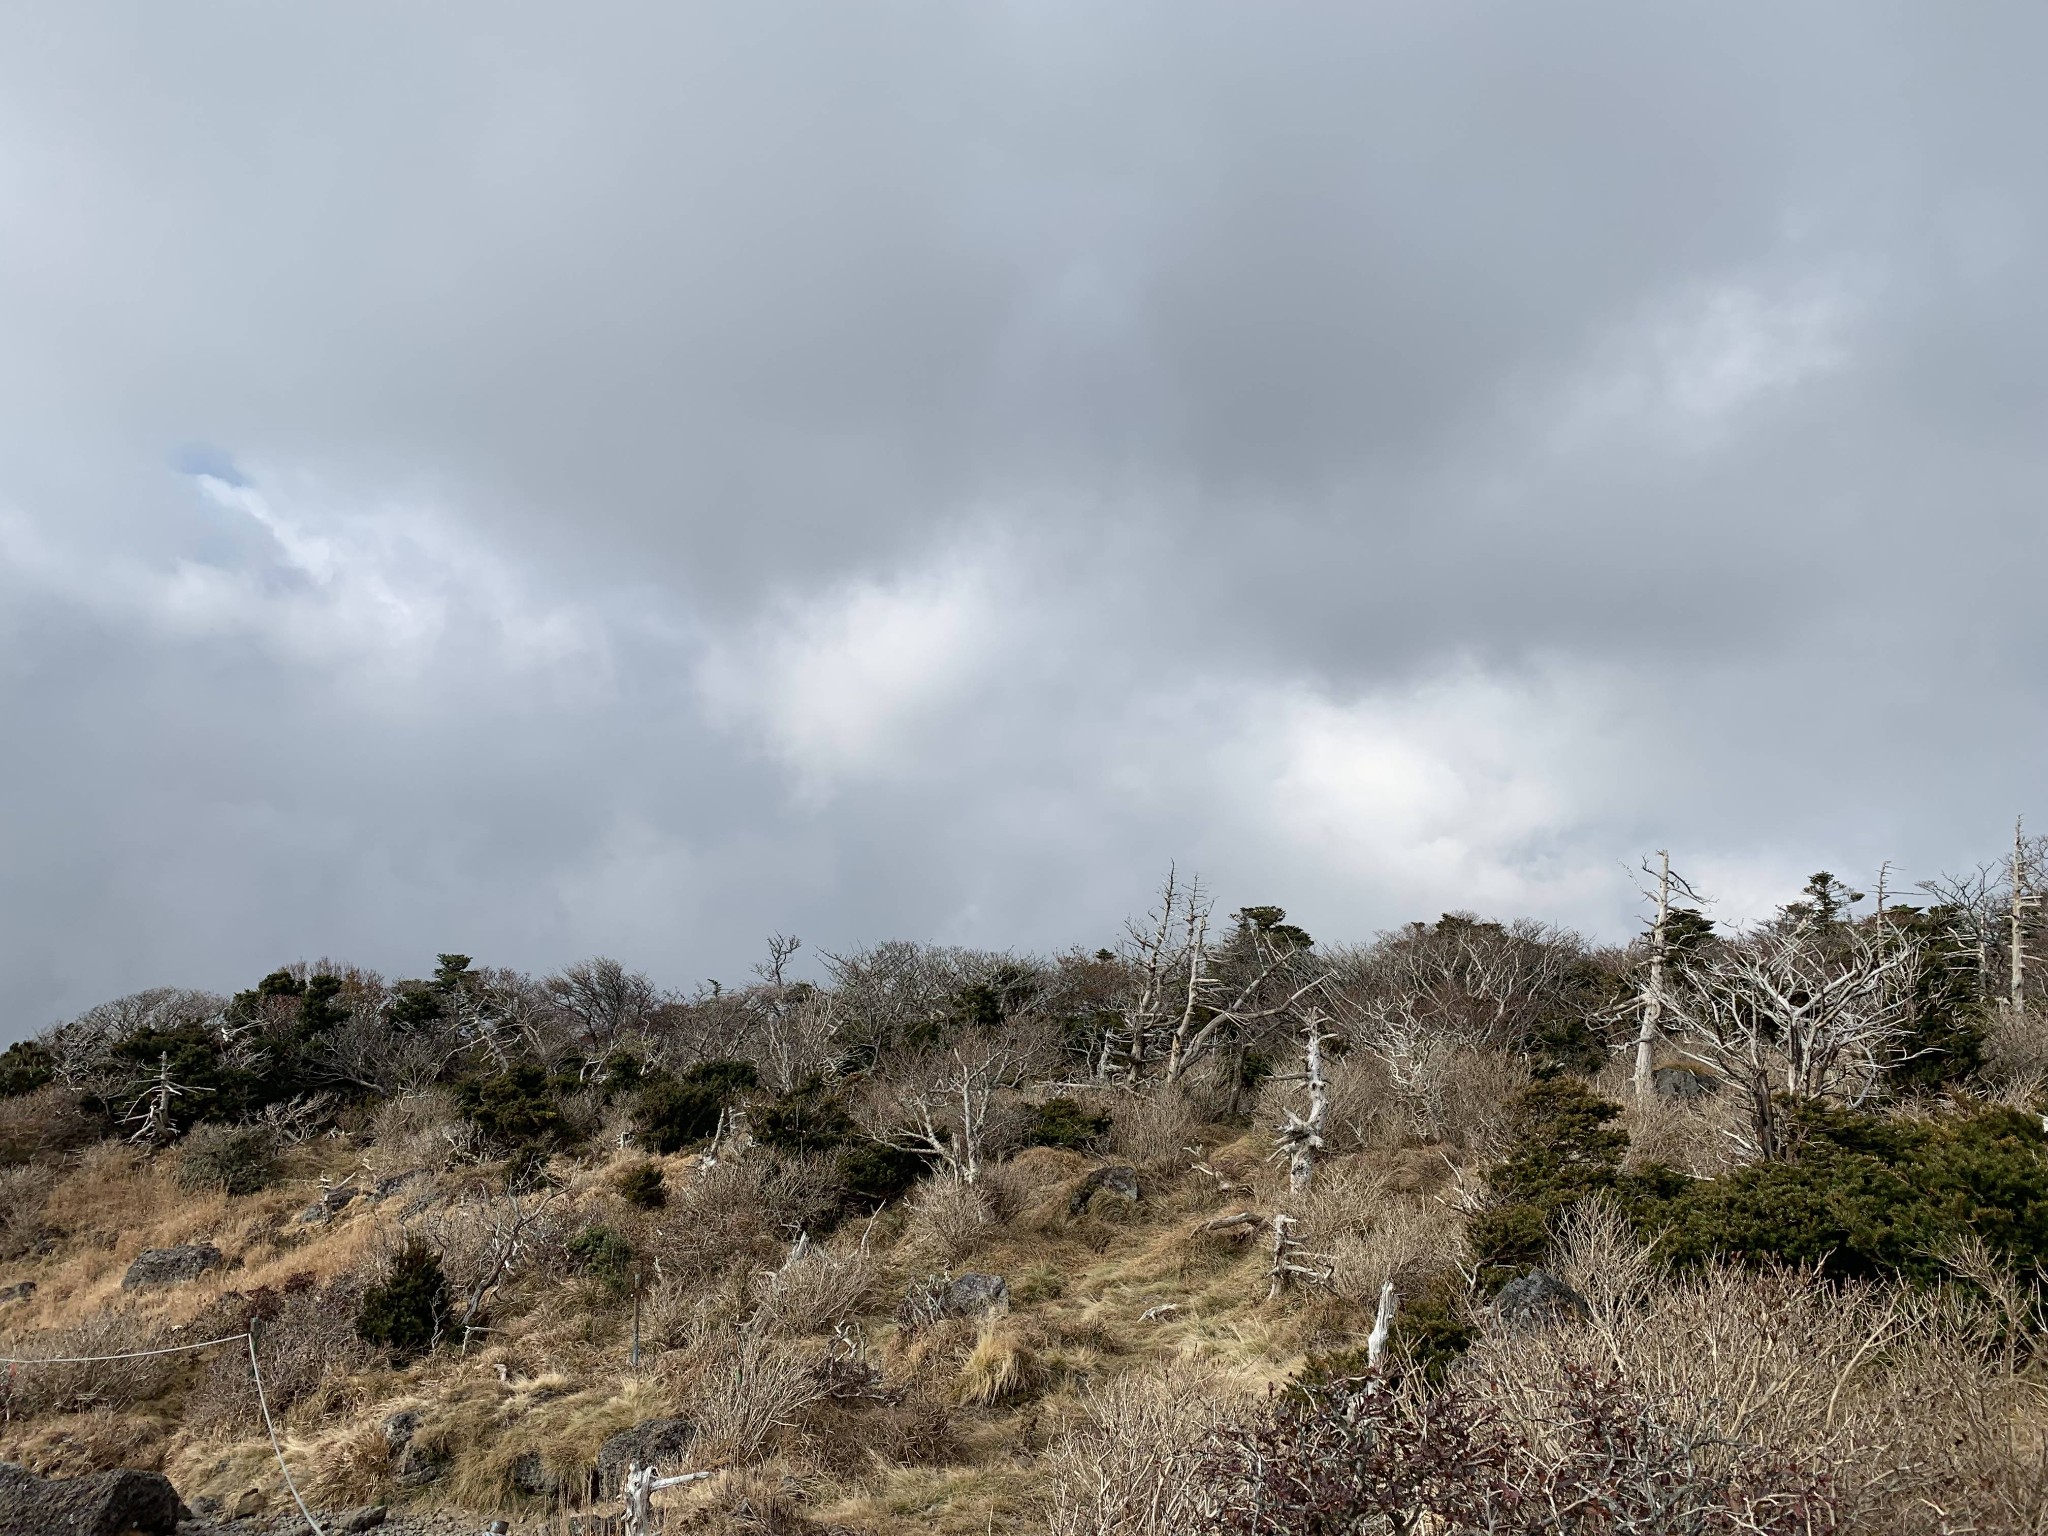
(1300, 1138)
(798, 1025)
(1653, 996)
(1169, 958)
(153, 1109)
(641, 1486)
(1382, 1327)
(940, 1107)
(1288, 1259)
(2021, 899)
(1796, 1012)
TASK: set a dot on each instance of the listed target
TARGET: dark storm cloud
(537, 481)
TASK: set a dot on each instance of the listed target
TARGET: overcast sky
(552, 480)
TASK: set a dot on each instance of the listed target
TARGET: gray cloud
(536, 481)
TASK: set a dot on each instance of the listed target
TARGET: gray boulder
(171, 1266)
(413, 1465)
(124, 1503)
(658, 1443)
(971, 1295)
(332, 1202)
(1535, 1300)
(21, 1290)
(532, 1476)
(1117, 1178)
(1682, 1083)
(392, 1183)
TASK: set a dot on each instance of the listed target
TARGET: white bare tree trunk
(2016, 979)
(1300, 1140)
(1653, 1000)
(1382, 1327)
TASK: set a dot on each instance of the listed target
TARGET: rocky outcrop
(124, 1503)
(971, 1295)
(1682, 1083)
(657, 1443)
(171, 1266)
(1535, 1300)
(1116, 1179)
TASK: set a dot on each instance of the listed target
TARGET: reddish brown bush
(1373, 1455)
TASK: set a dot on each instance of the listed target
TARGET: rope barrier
(133, 1354)
(255, 1373)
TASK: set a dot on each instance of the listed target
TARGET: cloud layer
(536, 483)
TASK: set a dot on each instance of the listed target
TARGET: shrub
(408, 1312)
(641, 1186)
(514, 1109)
(1867, 1195)
(948, 1218)
(810, 1118)
(1134, 1464)
(1064, 1123)
(239, 1159)
(604, 1254)
(675, 1111)
(874, 1174)
(1563, 1149)
(1949, 1027)
(1364, 1454)
(25, 1066)
(1860, 1195)
(49, 1121)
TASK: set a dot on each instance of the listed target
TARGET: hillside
(945, 1241)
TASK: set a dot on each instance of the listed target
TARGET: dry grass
(1002, 1367)
(1081, 1411)
(946, 1219)
(1899, 1394)
(817, 1292)
(1155, 1129)
(1130, 1467)
(418, 1131)
(1364, 1233)
(744, 1393)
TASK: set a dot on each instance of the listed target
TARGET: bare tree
(492, 1236)
(1168, 959)
(798, 1024)
(2021, 898)
(1652, 999)
(901, 995)
(1792, 1010)
(1480, 983)
(365, 1051)
(1417, 1052)
(941, 1104)
(605, 1001)
(1300, 1137)
(82, 1051)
